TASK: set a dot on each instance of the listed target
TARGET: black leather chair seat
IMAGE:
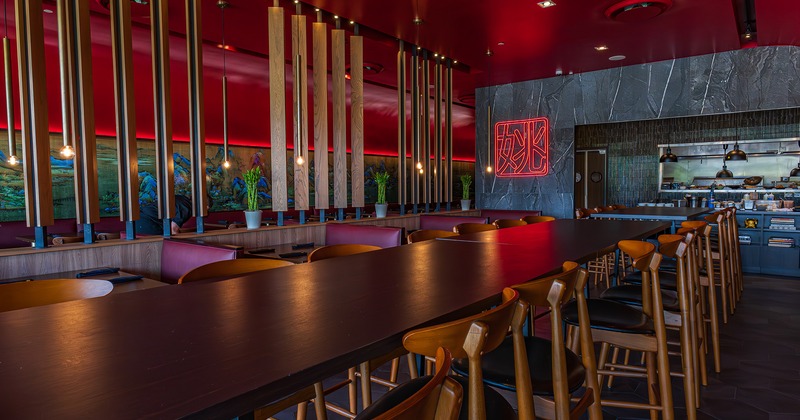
(631, 294)
(611, 316)
(496, 406)
(498, 366)
(667, 279)
(669, 264)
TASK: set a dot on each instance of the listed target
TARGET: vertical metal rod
(449, 135)
(426, 133)
(12, 144)
(415, 161)
(197, 129)
(402, 184)
(225, 117)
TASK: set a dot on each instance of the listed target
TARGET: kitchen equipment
(753, 180)
(751, 223)
(724, 172)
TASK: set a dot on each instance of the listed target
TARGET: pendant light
(12, 144)
(223, 4)
(67, 131)
(489, 168)
(736, 154)
(724, 172)
(796, 171)
(668, 156)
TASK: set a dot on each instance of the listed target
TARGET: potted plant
(252, 214)
(381, 206)
(466, 181)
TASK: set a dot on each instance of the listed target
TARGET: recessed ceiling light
(559, 72)
(616, 57)
(501, 43)
(455, 61)
(547, 3)
(601, 47)
(352, 22)
(48, 10)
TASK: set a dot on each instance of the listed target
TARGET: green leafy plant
(251, 178)
(466, 181)
(381, 179)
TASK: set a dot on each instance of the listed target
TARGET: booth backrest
(343, 233)
(439, 222)
(180, 256)
(9, 231)
(494, 214)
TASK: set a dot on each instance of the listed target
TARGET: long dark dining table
(674, 215)
(221, 349)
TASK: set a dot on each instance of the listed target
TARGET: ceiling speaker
(637, 10)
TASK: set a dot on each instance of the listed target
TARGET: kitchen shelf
(759, 257)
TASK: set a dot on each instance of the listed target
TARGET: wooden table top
(221, 349)
(654, 213)
(121, 287)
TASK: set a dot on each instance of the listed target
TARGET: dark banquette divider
(437, 222)
(494, 214)
(179, 256)
(382, 236)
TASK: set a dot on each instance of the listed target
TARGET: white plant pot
(253, 219)
(380, 210)
(465, 204)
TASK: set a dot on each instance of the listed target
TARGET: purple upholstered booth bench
(345, 233)
(441, 222)
(178, 256)
(493, 214)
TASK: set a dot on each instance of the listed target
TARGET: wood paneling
(33, 113)
(425, 91)
(357, 120)
(437, 131)
(127, 158)
(401, 125)
(300, 55)
(320, 31)
(9, 86)
(339, 120)
(415, 132)
(162, 107)
(277, 107)
(75, 47)
(197, 126)
(448, 123)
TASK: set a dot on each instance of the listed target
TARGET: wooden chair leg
(352, 389)
(302, 410)
(319, 402)
(366, 385)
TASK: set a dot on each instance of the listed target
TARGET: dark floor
(760, 376)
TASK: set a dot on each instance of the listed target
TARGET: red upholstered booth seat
(10, 230)
(382, 236)
(440, 222)
(179, 256)
(494, 214)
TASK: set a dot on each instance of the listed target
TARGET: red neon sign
(521, 148)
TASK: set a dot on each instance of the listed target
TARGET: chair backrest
(231, 268)
(444, 222)
(508, 223)
(439, 399)
(470, 337)
(428, 234)
(340, 250)
(582, 213)
(178, 257)
(494, 214)
(347, 233)
(464, 228)
(27, 294)
(538, 219)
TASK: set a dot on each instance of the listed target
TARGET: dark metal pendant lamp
(796, 171)
(668, 156)
(736, 154)
(724, 172)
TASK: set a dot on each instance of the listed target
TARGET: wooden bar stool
(470, 338)
(722, 264)
(464, 228)
(644, 330)
(428, 234)
(508, 223)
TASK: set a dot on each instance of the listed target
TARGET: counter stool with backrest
(341, 250)
(27, 294)
(720, 255)
(508, 223)
(537, 219)
(469, 338)
(428, 234)
(231, 268)
(465, 228)
(555, 371)
(614, 323)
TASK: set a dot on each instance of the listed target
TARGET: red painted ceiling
(537, 43)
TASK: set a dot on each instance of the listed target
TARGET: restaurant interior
(401, 209)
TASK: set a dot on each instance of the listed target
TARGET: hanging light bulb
(12, 160)
(226, 164)
(419, 166)
(421, 171)
(489, 169)
(736, 154)
(67, 151)
(222, 4)
(300, 160)
(668, 156)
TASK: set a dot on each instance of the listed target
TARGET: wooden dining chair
(439, 398)
(555, 372)
(428, 234)
(617, 324)
(231, 268)
(537, 219)
(471, 338)
(27, 294)
(720, 255)
(464, 228)
(508, 223)
(339, 250)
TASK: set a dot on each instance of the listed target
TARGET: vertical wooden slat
(437, 132)
(357, 119)
(339, 122)
(401, 126)
(321, 201)
(33, 116)
(197, 126)
(11, 134)
(277, 106)
(415, 158)
(300, 54)
(426, 128)
(79, 39)
(127, 159)
(448, 123)
(162, 107)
